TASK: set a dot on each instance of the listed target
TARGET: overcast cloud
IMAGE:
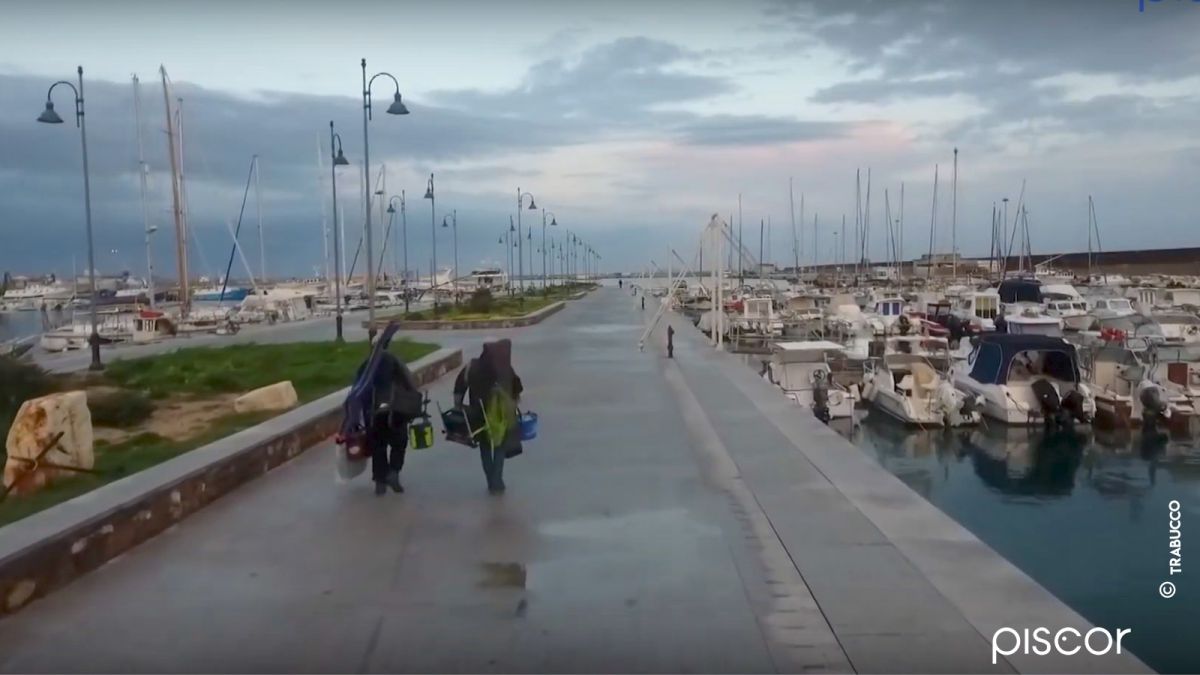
(631, 122)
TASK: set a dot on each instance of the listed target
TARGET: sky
(631, 123)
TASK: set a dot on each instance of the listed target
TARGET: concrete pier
(675, 516)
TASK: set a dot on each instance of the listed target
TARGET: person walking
(670, 341)
(643, 302)
(388, 405)
(488, 389)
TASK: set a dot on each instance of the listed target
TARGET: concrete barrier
(48, 550)
(471, 324)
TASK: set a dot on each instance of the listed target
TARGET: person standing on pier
(670, 341)
(643, 302)
(488, 389)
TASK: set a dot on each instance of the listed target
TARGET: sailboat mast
(900, 255)
(142, 171)
(185, 296)
(262, 249)
(933, 222)
(795, 242)
(954, 219)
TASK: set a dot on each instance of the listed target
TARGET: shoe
(380, 488)
(393, 481)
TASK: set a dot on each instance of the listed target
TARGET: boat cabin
(1005, 358)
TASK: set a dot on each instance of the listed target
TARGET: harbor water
(1083, 513)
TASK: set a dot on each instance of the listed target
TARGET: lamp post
(508, 247)
(396, 108)
(404, 241)
(553, 223)
(339, 159)
(454, 224)
(429, 194)
(520, 251)
(48, 116)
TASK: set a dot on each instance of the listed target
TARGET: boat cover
(994, 356)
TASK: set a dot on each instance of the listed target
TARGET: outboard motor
(903, 324)
(821, 397)
(1049, 401)
(1073, 404)
(1154, 404)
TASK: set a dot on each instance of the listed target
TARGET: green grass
(315, 368)
(117, 460)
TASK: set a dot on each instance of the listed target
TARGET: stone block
(278, 396)
(37, 422)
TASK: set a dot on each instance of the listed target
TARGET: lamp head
(340, 160)
(397, 107)
(444, 223)
(48, 115)
(553, 221)
(429, 192)
(532, 206)
(391, 208)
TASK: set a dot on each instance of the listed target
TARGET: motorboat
(1178, 326)
(1106, 307)
(758, 317)
(1028, 319)
(1024, 379)
(802, 371)
(1127, 389)
(1064, 302)
(910, 383)
(978, 310)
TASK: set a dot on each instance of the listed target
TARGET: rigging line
(235, 233)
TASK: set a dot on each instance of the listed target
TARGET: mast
(900, 255)
(185, 296)
(857, 219)
(262, 250)
(324, 220)
(801, 237)
(795, 241)
(932, 222)
(954, 219)
(142, 175)
(741, 247)
(1089, 229)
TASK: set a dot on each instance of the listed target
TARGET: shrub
(481, 301)
(121, 409)
(19, 382)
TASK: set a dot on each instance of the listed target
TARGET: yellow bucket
(420, 434)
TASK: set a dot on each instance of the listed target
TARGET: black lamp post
(339, 159)
(453, 223)
(48, 116)
(520, 257)
(403, 240)
(553, 223)
(396, 108)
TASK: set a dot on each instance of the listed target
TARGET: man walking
(670, 341)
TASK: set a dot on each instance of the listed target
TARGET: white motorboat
(1178, 326)
(802, 371)
(978, 309)
(910, 382)
(1108, 307)
(1127, 389)
(1024, 379)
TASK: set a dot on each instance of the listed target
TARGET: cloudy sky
(632, 122)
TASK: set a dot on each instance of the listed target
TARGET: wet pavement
(662, 523)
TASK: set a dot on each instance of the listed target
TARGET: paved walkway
(663, 523)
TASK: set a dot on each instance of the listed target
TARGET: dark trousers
(387, 435)
(492, 459)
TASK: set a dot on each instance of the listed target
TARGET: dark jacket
(482, 379)
(392, 379)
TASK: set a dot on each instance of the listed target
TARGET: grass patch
(315, 368)
(502, 307)
(119, 409)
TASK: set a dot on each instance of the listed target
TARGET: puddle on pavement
(502, 575)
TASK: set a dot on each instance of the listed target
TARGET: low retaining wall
(50, 549)
(472, 324)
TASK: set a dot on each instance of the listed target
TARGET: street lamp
(48, 116)
(339, 159)
(454, 220)
(553, 223)
(404, 241)
(520, 250)
(429, 194)
(396, 108)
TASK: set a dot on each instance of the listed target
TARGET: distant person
(620, 283)
(670, 342)
(488, 390)
(643, 302)
(388, 405)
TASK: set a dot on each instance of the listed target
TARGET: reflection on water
(1084, 513)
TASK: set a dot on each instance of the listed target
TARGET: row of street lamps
(338, 158)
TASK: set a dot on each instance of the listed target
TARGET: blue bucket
(529, 426)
